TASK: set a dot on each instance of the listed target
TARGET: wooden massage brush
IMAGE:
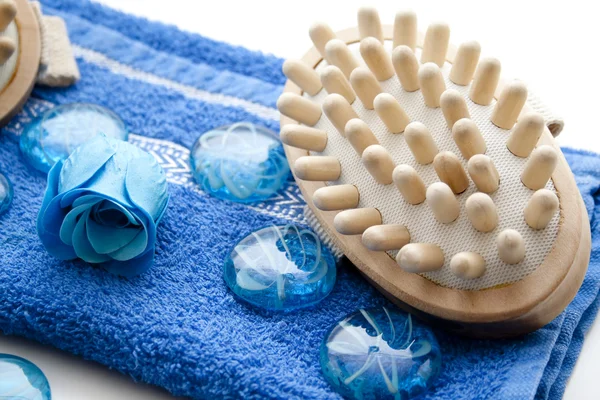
(20, 48)
(434, 177)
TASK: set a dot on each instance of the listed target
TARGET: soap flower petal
(102, 205)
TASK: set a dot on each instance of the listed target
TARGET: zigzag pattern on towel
(287, 204)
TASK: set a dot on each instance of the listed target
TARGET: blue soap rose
(103, 204)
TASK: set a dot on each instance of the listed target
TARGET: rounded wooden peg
(526, 134)
(359, 135)
(405, 29)
(435, 45)
(485, 82)
(509, 105)
(465, 63)
(303, 76)
(409, 183)
(369, 24)
(467, 265)
(420, 142)
(8, 11)
(539, 167)
(407, 67)
(511, 248)
(540, 208)
(377, 58)
(442, 202)
(453, 106)
(334, 81)
(303, 137)
(420, 257)
(338, 111)
(299, 108)
(390, 112)
(450, 171)
(7, 49)
(365, 85)
(379, 163)
(356, 221)
(317, 168)
(320, 33)
(385, 237)
(339, 55)
(468, 138)
(484, 174)
(482, 212)
(432, 84)
(336, 197)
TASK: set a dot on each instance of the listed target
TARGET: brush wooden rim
(524, 305)
(16, 93)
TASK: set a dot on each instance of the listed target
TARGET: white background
(553, 46)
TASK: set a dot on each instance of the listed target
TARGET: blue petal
(131, 267)
(134, 248)
(106, 205)
(147, 186)
(69, 222)
(162, 213)
(84, 162)
(50, 218)
(88, 199)
(109, 180)
(109, 205)
(81, 244)
(108, 239)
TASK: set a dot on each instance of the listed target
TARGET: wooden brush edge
(16, 93)
(510, 310)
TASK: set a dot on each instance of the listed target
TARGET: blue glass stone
(21, 379)
(380, 353)
(55, 134)
(6, 194)
(242, 162)
(280, 268)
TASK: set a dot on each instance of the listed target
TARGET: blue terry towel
(178, 326)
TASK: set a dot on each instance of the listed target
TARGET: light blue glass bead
(6, 194)
(242, 162)
(55, 134)
(21, 379)
(280, 268)
(380, 353)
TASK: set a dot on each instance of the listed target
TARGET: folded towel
(178, 326)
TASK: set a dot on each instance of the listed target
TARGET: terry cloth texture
(178, 326)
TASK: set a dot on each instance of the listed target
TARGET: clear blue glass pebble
(55, 134)
(380, 353)
(280, 268)
(6, 194)
(242, 162)
(21, 379)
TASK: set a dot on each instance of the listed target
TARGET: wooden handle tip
(8, 11)
(378, 162)
(541, 208)
(420, 257)
(385, 237)
(442, 202)
(482, 212)
(336, 197)
(338, 111)
(467, 265)
(356, 221)
(511, 247)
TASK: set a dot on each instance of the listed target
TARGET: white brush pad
(510, 199)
